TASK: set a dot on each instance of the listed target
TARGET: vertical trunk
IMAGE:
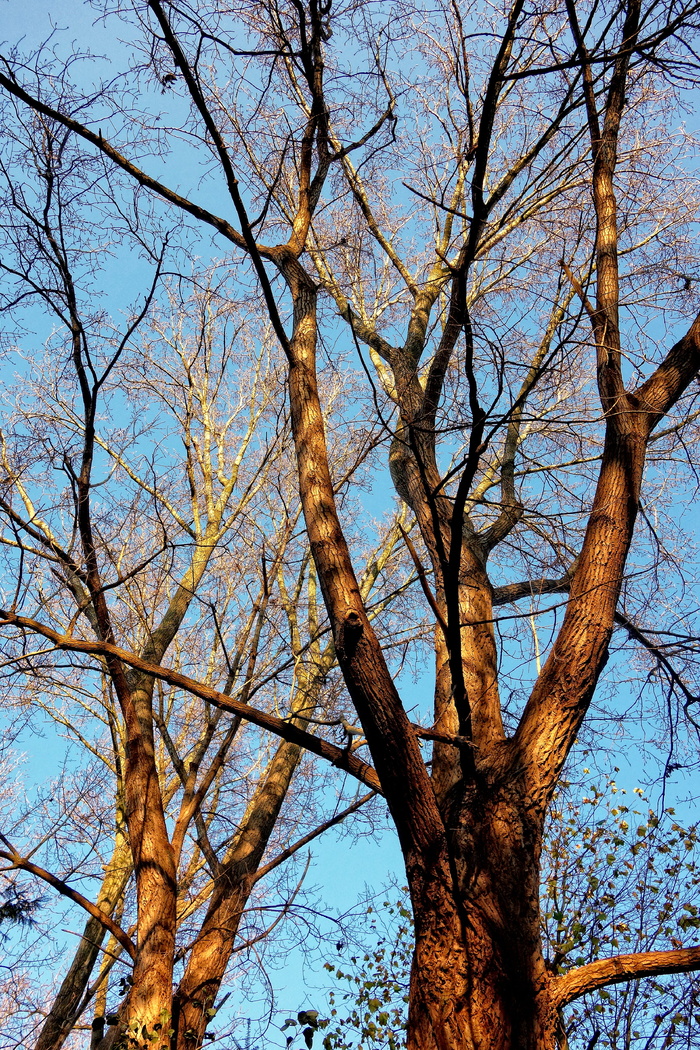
(479, 668)
(390, 736)
(446, 768)
(148, 1006)
(479, 980)
(194, 1000)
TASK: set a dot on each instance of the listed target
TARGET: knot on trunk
(348, 634)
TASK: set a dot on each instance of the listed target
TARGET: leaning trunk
(71, 998)
(197, 991)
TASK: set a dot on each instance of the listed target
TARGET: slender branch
(639, 636)
(245, 239)
(513, 592)
(578, 288)
(442, 738)
(424, 582)
(24, 864)
(300, 843)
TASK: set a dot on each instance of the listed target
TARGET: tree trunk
(147, 1009)
(478, 979)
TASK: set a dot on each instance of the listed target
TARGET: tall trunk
(148, 1006)
(479, 668)
(446, 768)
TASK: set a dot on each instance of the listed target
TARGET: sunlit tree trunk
(478, 978)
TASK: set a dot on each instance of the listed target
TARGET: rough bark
(498, 990)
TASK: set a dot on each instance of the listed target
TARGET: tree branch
(337, 756)
(300, 843)
(621, 968)
(24, 864)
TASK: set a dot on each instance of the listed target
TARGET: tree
(617, 872)
(187, 444)
(497, 211)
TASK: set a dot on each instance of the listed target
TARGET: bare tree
(167, 437)
(499, 213)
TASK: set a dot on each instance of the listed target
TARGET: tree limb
(335, 755)
(24, 864)
(621, 968)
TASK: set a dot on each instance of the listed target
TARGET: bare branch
(621, 968)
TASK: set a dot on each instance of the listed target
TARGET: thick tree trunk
(479, 980)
